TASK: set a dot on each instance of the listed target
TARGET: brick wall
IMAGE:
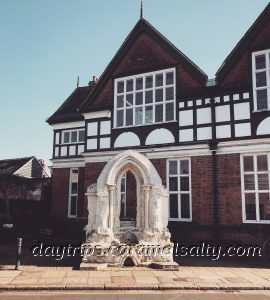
(201, 228)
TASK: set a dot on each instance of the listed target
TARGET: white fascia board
(97, 114)
(245, 146)
(68, 163)
(153, 153)
(68, 125)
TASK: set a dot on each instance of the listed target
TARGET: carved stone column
(146, 190)
(111, 205)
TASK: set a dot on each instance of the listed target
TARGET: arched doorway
(128, 200)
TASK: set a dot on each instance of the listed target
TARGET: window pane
(74, 173)
(159, 79)
(184, 184)
(120, 87)
(120, 118)
(169, 111)
(149, 114)
(138, 115)
(184, 167)
(173, 184)
(148, 82)
(248, 163)
(260, 62)
(264, 204)
(139, 98)
(173, 164)
(169, 93)
(262, 163)
(139, 83)
(66, 137)
(120, 101)
(81, 135)
(169, 78)
(185, 209)
(174, 206)
(260, 79)
(129, 85)
(250, 207)
(129, 117)
(262, 99)
(159, 95)
(149, 96)
(123, 184)
(263, 182)
(129, 100)
(74, 188)
(249, 181)
(159, 113)
(73, 136)
(73, 205)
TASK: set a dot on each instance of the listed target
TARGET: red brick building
(208, 139)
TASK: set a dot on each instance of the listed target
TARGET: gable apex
(241, 46)
(142, 26)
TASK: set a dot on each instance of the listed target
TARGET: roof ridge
(17, 158)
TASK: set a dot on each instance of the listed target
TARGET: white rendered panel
(241, 111)
(223, 113)
(204, 115)
(160, 136)
(186, 117)
(264, 127)
(105, 127)
(92, 128)
(186, 135)
(204, 133)
(91, 144)
(105, 143)
(243, 129)
(127, 139)
(223, 131)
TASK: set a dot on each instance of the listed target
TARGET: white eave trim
(68, 163)
(97, 114)
(68, 125)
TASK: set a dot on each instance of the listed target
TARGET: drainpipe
(213, 148)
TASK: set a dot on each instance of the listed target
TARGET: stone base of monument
(93, 267)
(165, 266)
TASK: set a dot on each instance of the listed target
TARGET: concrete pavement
(187, 278)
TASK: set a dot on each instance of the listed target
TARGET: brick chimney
(93, 81)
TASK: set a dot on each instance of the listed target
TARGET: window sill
(261, 110)
(143, 125)
(257, 222)
(180, 220)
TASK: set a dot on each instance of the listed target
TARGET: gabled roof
(241, 46)
(10, 166)
(141, 26)
(68, 111)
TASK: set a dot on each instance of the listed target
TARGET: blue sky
(46, 44)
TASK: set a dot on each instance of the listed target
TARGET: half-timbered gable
(208, 139)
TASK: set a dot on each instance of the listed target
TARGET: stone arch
(140, 162)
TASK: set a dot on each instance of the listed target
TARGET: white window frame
(70, 131)
(256, 191)
(70, 194)
(178, 191)
(254, 71)
(143, 105)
